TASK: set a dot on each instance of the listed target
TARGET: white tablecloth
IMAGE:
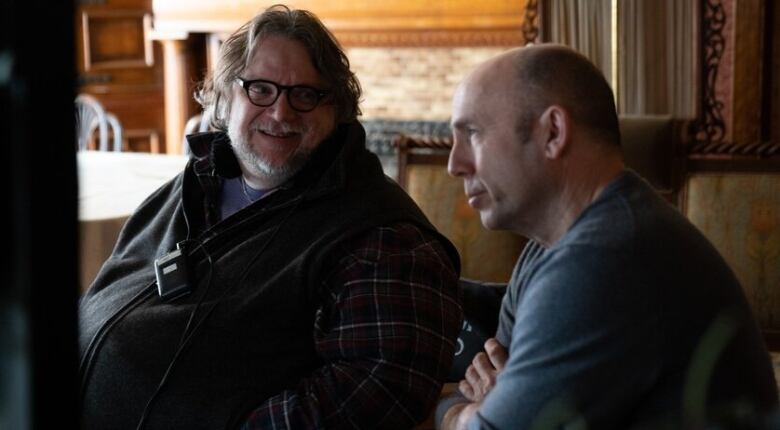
(111, 186)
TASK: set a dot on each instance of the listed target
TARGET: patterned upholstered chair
(485, 255)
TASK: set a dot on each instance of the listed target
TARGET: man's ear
(556, 124)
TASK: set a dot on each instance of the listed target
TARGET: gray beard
(261, 167)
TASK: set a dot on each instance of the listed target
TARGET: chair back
(652, 147)
(92, 117)
(117, 130)
(485, 254)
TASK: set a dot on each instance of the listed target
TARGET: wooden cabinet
(122, 67)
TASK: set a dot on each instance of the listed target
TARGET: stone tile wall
(413, 83)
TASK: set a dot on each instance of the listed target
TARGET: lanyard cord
(183, 341)
(187, 337)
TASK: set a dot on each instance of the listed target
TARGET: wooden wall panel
(774, 52)
(103, 46)
(118, 63)
(360, 22)
(142, 116)
(748, 44)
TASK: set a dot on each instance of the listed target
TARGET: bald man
(620, 313)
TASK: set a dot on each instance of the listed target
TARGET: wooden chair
(196, 124)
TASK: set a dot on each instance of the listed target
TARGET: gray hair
(326, 55)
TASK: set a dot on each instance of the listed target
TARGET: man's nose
(459, 163)
(281, 110)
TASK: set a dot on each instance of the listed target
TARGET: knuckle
(478, 358)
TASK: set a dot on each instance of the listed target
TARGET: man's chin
(488, 220)
(278, 173)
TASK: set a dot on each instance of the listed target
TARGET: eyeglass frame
(246, 83)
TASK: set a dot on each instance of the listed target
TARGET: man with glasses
(281, 281)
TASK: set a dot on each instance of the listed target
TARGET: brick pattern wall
(413, 83)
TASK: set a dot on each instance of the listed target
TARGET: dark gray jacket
(257, 274)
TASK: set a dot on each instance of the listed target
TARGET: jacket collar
(325, 171)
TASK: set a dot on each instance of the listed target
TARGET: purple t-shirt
(237, 194)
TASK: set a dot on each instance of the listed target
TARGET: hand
(458, 416)
(483, 371)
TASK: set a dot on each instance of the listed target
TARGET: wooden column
(176, 97)
(747, 65)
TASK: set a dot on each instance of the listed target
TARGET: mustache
(276, 127)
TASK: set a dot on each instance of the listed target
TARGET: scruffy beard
(259, 165)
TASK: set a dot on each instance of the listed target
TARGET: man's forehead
(476, 92)
(462, 106)
(490, 79)
(277, 54)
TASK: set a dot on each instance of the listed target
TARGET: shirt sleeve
(385, 334)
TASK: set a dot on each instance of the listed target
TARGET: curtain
(583, 25)
(656, 49)
(656, 57)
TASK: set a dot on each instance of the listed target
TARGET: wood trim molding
(733, 150)
(403, 38)
(757, 157)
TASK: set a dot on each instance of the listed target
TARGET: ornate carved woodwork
(710, 126)
(743, 147)
(530, 25)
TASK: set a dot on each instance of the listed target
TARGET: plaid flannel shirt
(386, 335)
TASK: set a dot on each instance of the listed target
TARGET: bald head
(539, 76)
(535, 139)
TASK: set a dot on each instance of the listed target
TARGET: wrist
(451, 420)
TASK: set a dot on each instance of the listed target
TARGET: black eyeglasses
(264, 93)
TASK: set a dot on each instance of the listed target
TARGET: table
(111, 186)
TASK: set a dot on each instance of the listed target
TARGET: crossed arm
(480, 379)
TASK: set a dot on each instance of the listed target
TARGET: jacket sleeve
(385, 334)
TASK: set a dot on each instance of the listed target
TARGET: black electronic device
(172, 275)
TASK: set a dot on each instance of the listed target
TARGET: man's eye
(306, 96)
(261, 89)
